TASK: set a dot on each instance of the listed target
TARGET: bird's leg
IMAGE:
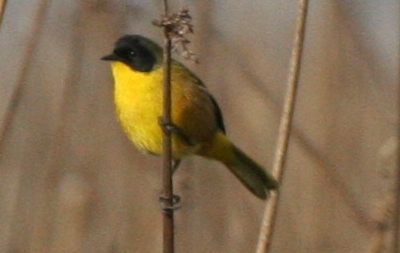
(175, 165)
(176, 130)
(165, 203)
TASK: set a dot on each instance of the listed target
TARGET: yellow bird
(197, 119)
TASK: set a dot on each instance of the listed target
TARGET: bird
(197, 123)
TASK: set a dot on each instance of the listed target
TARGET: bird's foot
(170, 204)
(171, 127)
(175, 165)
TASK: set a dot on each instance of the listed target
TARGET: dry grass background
(70, 181)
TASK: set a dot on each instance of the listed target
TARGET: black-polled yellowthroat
(138, 75)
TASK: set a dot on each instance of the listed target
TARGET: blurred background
(70, 181)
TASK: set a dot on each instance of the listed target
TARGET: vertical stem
(166, 8)
(268, 222)
(396, 207)
(168, 213)
(3, 4)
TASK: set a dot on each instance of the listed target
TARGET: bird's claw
(170, 204)
(172, 128)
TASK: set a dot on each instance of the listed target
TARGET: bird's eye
(132, 53)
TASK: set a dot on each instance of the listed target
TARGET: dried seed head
(179, 25)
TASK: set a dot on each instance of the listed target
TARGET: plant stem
(3, 4)
(168, 194)
(396, 207)
(268, 223)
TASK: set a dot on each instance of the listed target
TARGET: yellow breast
(138, 101)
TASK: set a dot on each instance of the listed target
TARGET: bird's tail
(252, 175)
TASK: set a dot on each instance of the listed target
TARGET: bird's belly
(143, 129)
(140, 120)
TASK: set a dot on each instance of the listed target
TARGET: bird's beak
(110, 57)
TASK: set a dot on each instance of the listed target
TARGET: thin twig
(166, 7)
(3, 4)
(168, 214)
(168, 193)
(27, 60)
(176, 26)
(271, 207)
(396, 207)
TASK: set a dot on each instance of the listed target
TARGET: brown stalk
(396, 208)
(3, 4)
(175, 26)
(268, 223)
(168, 193)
